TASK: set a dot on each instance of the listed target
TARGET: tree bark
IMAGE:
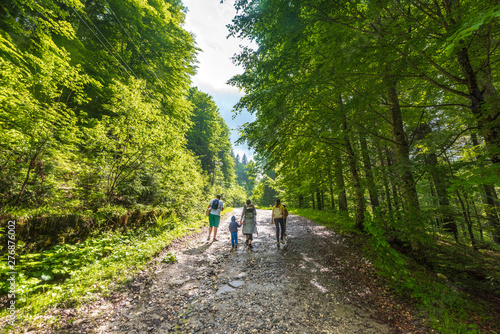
(491, 203)
(332, 199)
(385, 181)
(469, 223)
(404, 167)
(318, 200)
(478, 217)
(466, 215)
(439, 220)
(372, 188)
(351, 158)
(444, 201)
(339, 180)
(394, 176)
(486, 115)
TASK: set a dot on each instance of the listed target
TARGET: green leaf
(47, 276)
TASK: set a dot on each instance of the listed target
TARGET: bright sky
(207, 20)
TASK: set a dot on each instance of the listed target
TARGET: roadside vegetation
(71, 274)
(454, 288)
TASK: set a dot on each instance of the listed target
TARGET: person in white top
(215, 206)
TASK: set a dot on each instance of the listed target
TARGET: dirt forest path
(316, 284)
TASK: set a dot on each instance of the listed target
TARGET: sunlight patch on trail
(321, 288)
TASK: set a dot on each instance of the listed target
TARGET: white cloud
(207, 20)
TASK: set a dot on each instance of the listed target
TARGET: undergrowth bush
(72, 273)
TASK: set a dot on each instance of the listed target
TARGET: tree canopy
(390, 103)
(96, 109)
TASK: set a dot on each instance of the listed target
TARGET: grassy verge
(337, 221)
(441, 287)
(71, 274)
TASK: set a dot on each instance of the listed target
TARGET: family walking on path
(248, 221)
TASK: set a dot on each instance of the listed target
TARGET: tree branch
(431, 106)
(443, 151)
(429, 79)
(439, 68)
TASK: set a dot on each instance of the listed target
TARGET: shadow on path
(198, 250)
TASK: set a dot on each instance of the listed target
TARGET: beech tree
(343, 73)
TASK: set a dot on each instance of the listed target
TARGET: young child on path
(285, 215)
(233, 228)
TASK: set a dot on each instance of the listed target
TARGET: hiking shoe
(282, 241)
(215, 239)
(250, 246)
(278, 245)
(208, 239)
(246, 242)
(236, 246)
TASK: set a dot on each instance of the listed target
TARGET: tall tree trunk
(478, 217)
(465, 209)
(301, 201)
(330, 188)
(384, 177)
(339, 180)
(491, 203)
(486, 115)
(466, 215)
(372, 188)
(394, 176)
(402, 149)
(213, 177)
(469, 223)
(351, 158)
(318, 200)
(444, 201)
(314, 206)
(439, 220)
(332, 199)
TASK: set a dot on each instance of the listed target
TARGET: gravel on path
(315, 283)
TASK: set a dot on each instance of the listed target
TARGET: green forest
(386, 112)
(379, 119)
(104, 142)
